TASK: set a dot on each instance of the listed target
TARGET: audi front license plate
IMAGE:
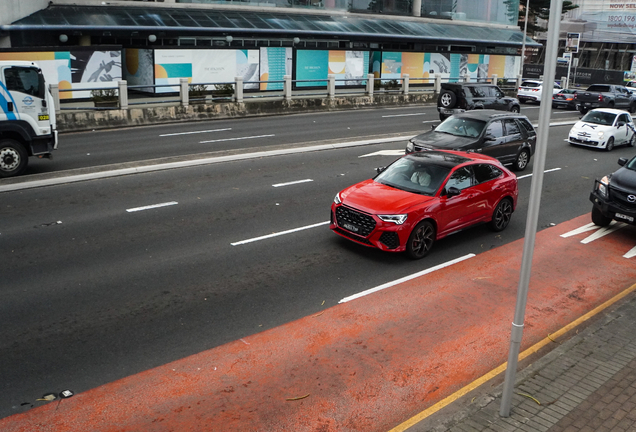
(350, 227)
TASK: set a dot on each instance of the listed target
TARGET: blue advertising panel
(312, 65)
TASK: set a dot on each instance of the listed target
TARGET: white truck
(27, 116)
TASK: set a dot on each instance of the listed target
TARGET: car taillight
(600, 98)
(575, 96)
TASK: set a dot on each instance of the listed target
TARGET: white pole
(552, 49)
(525, 32)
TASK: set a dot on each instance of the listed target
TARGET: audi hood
(375, 198)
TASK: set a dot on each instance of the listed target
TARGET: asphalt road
(89, 149)
(96, 288)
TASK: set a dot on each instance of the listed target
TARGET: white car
(530, 91)
(603, 128)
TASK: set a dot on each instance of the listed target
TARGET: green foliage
(223, 90)
(540, 9)
(104, 95)
(386, 84)
(197, 90)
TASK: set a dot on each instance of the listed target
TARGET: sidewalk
(587, 384)
(402, 357)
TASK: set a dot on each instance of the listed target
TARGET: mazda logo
(631, 198)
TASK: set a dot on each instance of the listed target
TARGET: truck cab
(27, 116)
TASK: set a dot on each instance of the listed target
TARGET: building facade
(158, 42)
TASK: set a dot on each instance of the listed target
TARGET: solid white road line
(546, 171)
(193, 163)
(403, 115)
(292, 183)
(385, 153)
(195, 132)
(631, 253)
(278, 234)
(130, 210)
(236, 139)
(406, 278)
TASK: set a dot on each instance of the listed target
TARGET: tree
(540, 9)
(512, 10)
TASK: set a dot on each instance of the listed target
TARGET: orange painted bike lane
(365, 365)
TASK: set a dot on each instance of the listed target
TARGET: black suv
(508, 137)
(614, 196)
(458, 97)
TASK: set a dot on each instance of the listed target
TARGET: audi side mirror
(620, 124)
(452, 191)
(380, 169)
(622, 161)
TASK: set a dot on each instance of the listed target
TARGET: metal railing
(239, 91)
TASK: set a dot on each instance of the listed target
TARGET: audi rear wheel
(501, 216)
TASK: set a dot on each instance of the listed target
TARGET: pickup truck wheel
(447, 99)
(632, 108)
(583, 110)
(523, 158)
(599, 218)
(610, 144)
(13, 158)
(610, 105)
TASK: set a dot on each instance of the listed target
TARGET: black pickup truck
(605, 96)
(614, 196)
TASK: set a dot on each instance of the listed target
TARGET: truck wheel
(610, 144)
(599, 218)
(13, 158)
(583, 110)
(447, 99)
(632, 108)
(610, 105)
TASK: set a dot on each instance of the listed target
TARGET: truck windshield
(25, 80)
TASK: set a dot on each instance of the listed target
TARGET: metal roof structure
(190, 22)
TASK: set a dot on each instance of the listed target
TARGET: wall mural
(393, 65)
(349, 67)
(76, 69)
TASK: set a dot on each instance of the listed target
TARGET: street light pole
(552, 49)
(525, 32)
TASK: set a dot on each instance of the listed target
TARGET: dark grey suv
(509, 137)
(459, 97)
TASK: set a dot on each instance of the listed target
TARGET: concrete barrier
(80, 120)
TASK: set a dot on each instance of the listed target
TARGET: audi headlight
(337, 199)
(602, 186)
(600, 134)
(410, 148)
(396, 219)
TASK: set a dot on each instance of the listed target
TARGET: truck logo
(27, 100)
